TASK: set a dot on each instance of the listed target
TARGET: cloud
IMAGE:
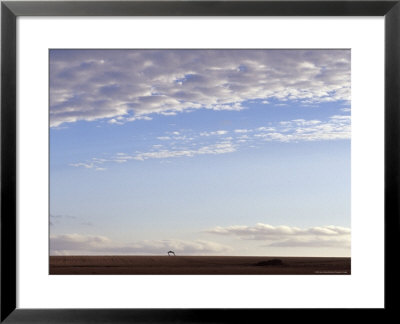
(337, 127)
(318, 242)
(127, 85)
(84, 165)
(90, 165)
(78, 244)
(288, 236)
(114, 121)
(241, 131)
(218, 132)
(71, 242)
(159, 152)
(219, 148)
(56, 219)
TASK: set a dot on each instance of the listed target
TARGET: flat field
(192, 265)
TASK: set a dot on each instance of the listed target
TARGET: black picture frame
(10, 10)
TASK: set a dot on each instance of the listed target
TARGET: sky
(203, 152)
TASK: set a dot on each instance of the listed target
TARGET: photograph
(199, 161)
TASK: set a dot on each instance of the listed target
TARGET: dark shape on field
(171, 253)
(272, 262)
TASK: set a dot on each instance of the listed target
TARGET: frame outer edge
(392, 150)
(8, 168)
(203, 8)
(8, 162)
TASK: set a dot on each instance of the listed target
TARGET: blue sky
(208, 152)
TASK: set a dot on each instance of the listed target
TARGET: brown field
(183, 265)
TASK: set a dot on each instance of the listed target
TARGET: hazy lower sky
(206, 152)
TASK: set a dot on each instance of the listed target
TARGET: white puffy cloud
(78, 244)
(126, 85)
(218, 132)
(288, 236)
(241, 131)
(336, 128)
